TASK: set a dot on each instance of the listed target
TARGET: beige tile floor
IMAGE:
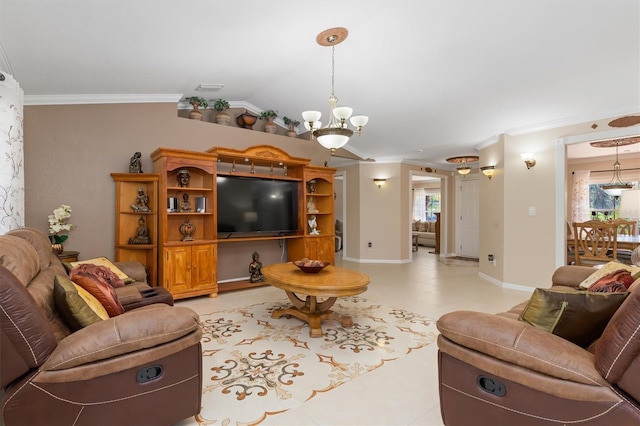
(404, 392)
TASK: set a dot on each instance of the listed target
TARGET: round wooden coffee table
(331, 283)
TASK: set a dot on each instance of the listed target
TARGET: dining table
(628, 242)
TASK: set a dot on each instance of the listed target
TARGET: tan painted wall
(524, 245)
(70, 152)
(492, 205)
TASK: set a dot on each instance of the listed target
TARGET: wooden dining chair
(625, 227)
(595, 242)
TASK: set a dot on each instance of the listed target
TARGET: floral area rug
(255, 366)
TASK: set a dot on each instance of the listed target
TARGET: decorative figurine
(142, 201)
(311, 186)
(311, 206)
(135, 165)
(255, 268)
(187, 229)
(313, 225)
(142, 234)
(185, 206)
(183, 177)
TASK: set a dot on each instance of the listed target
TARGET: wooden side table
(69, 256)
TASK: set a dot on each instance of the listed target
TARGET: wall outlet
(370, 244)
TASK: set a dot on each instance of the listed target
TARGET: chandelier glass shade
(464, 170)
(616, 186)
(336, 134)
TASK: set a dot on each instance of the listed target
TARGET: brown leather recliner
(497, 370)
(143, 367)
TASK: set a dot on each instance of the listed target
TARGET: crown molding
(571, 121)
(101, 99)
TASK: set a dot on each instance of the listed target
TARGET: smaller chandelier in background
(463, 160)
(616, 186)
(336, 134)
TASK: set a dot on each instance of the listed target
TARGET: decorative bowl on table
(310, 266)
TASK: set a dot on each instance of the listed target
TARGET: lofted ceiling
(437, 78)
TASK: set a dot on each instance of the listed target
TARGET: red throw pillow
(621, 276)
(100, 271)
(99, 288)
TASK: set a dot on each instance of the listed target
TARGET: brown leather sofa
(497, 370)
(143, 367)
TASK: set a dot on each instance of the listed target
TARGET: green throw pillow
(575, 315)
(77, 307)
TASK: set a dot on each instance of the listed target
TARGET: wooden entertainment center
(183, 254)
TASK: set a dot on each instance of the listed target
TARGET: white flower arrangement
(58, 223)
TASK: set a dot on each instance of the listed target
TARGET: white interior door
(468, 234)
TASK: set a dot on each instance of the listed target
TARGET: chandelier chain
(333, 69)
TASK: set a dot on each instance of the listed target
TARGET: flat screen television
(256, 206)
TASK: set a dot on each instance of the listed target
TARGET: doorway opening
(427, 205)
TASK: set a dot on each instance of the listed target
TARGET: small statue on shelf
(311, 186)
(142, 201)
(255, 268)
(185, 206)
(142, 233)
(311, 206)
(187, 229)
(183, 177)
(135, 165)
(313, 225)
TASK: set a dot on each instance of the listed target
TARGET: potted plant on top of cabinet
(269, 115)
(221, 106)
(292, 126)
(196, 101)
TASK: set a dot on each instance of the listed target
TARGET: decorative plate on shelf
(310, 266)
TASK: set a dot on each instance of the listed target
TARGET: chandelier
(336, 134)
(615, 186)
(463, 169)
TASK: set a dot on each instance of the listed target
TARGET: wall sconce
(379, 182)
(488, 171)
(528, 160)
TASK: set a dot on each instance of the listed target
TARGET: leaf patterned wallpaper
(11, 154)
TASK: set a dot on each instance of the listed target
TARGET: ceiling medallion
(463, 160)
(614, 143)
(336, 134)
(627, 121)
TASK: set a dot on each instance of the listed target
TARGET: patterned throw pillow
(100, 289)
(606, 270)
(618, 280)
(103, 261)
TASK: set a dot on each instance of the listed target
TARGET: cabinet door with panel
(320, 248)
(190, 269)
